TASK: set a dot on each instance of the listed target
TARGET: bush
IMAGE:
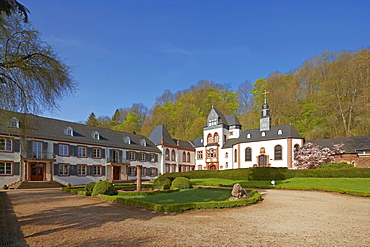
(341, 165)
(181, 183)
(162, 183)
(90, 187)
(104, 187)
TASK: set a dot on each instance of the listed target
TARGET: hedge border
(255, 197)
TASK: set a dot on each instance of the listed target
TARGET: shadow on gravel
(10, 233)
(55, 210)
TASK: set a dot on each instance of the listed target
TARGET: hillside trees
(32, 76)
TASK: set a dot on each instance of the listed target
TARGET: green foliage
(90, 187)
(341, 165)
(145, 193)
(104, 187)
(162, 183)
(181, 183)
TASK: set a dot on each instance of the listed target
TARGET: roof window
(127, 140)
(14, 122)
(280, 132)
(96, 135)
(69, 131)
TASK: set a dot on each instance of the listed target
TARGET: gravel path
(51, 217)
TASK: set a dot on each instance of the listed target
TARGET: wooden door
(262, 160)
(37, 172)
(116, 173)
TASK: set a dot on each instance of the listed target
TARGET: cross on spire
(265, 94)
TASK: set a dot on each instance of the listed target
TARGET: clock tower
(265, 121)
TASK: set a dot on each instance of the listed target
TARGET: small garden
(166, 195)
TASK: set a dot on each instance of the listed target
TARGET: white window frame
(64, 169)
(97, 153)
(132, 171)
(81, 151)
(37, 150)
(63, 150)
(6, 168)
(6, 145)
(97, 170)
(81, 170)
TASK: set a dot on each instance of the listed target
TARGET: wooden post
(138, 180)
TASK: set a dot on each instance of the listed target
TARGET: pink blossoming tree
(311, 156)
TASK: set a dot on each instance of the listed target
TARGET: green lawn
(187, 196)
(352, 184)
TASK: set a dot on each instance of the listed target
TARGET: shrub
(104, 187)
(181, 183)
(90, 187)
(341, 165)
(162, 183)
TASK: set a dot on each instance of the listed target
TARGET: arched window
(248, 154)
(216, 137)
(188, 157)
(173, 155)
(278, 152)
(14, 123)
(235, 155)
(226, 155)
(69, 131)
(167, 155)
(96, 135)
(248, 135)
(280, 132)
(127, 140)
(143, 142)
(209, 138)
(296, 147)
(183, 156)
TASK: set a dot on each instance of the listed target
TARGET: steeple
(265, 121)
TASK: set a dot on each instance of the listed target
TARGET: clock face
(265, 124)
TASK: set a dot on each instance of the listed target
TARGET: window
(97, 170)
(37, 150)
(6, 145)
(209, 138)
(278, 152)
(14, 123)
(63, 169)
(69, 131)
(173, 155)
(248, 136)
(226, 165)
(5, 168)
(96, 135)
(127, 140)
(142, 142)
(167, 155)
(211, 153)
(263, 134)
(212, 122)
(81, 151)
(216, 137)
(81, 170)
(131, 155)
(153, 172)
(143, 171)
(188, 157)
(200, 155)
(131, 171)
(183, 157)
(97, 153)
(152, 157)
(296, 147)
(142, 156)
(235, 155)
(248, 154)
(63, 150)
(226, 155)
(200, 167)
(115, 156)
(280, 132)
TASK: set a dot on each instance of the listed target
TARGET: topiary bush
(104, 187)
(162, 183)
(90, 187)
(181, 183)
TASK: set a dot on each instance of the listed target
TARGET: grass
(187, 196)
(351, 184)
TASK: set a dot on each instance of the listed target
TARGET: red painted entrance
(116, 172)
(37, 172)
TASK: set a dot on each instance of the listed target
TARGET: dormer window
(280, 132)
(263, 133)
(127, 140)
(143, 142)
(212, 122)
(14, 123)
(96, 135)
(69, 131)
(248, 135)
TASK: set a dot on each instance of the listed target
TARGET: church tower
(265, 121)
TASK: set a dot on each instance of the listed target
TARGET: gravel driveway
(51, 217)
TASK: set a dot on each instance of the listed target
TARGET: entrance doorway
(37, 172)
(116, 173)
(212, 167)
(262, 160)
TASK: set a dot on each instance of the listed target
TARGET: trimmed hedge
(90, 187)
(255, 197)
(271, 173)
(145, 193)
(181, 183)
(104, 187)
(162, 183)
(77, 191)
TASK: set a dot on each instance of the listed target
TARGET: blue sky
(130, 51)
